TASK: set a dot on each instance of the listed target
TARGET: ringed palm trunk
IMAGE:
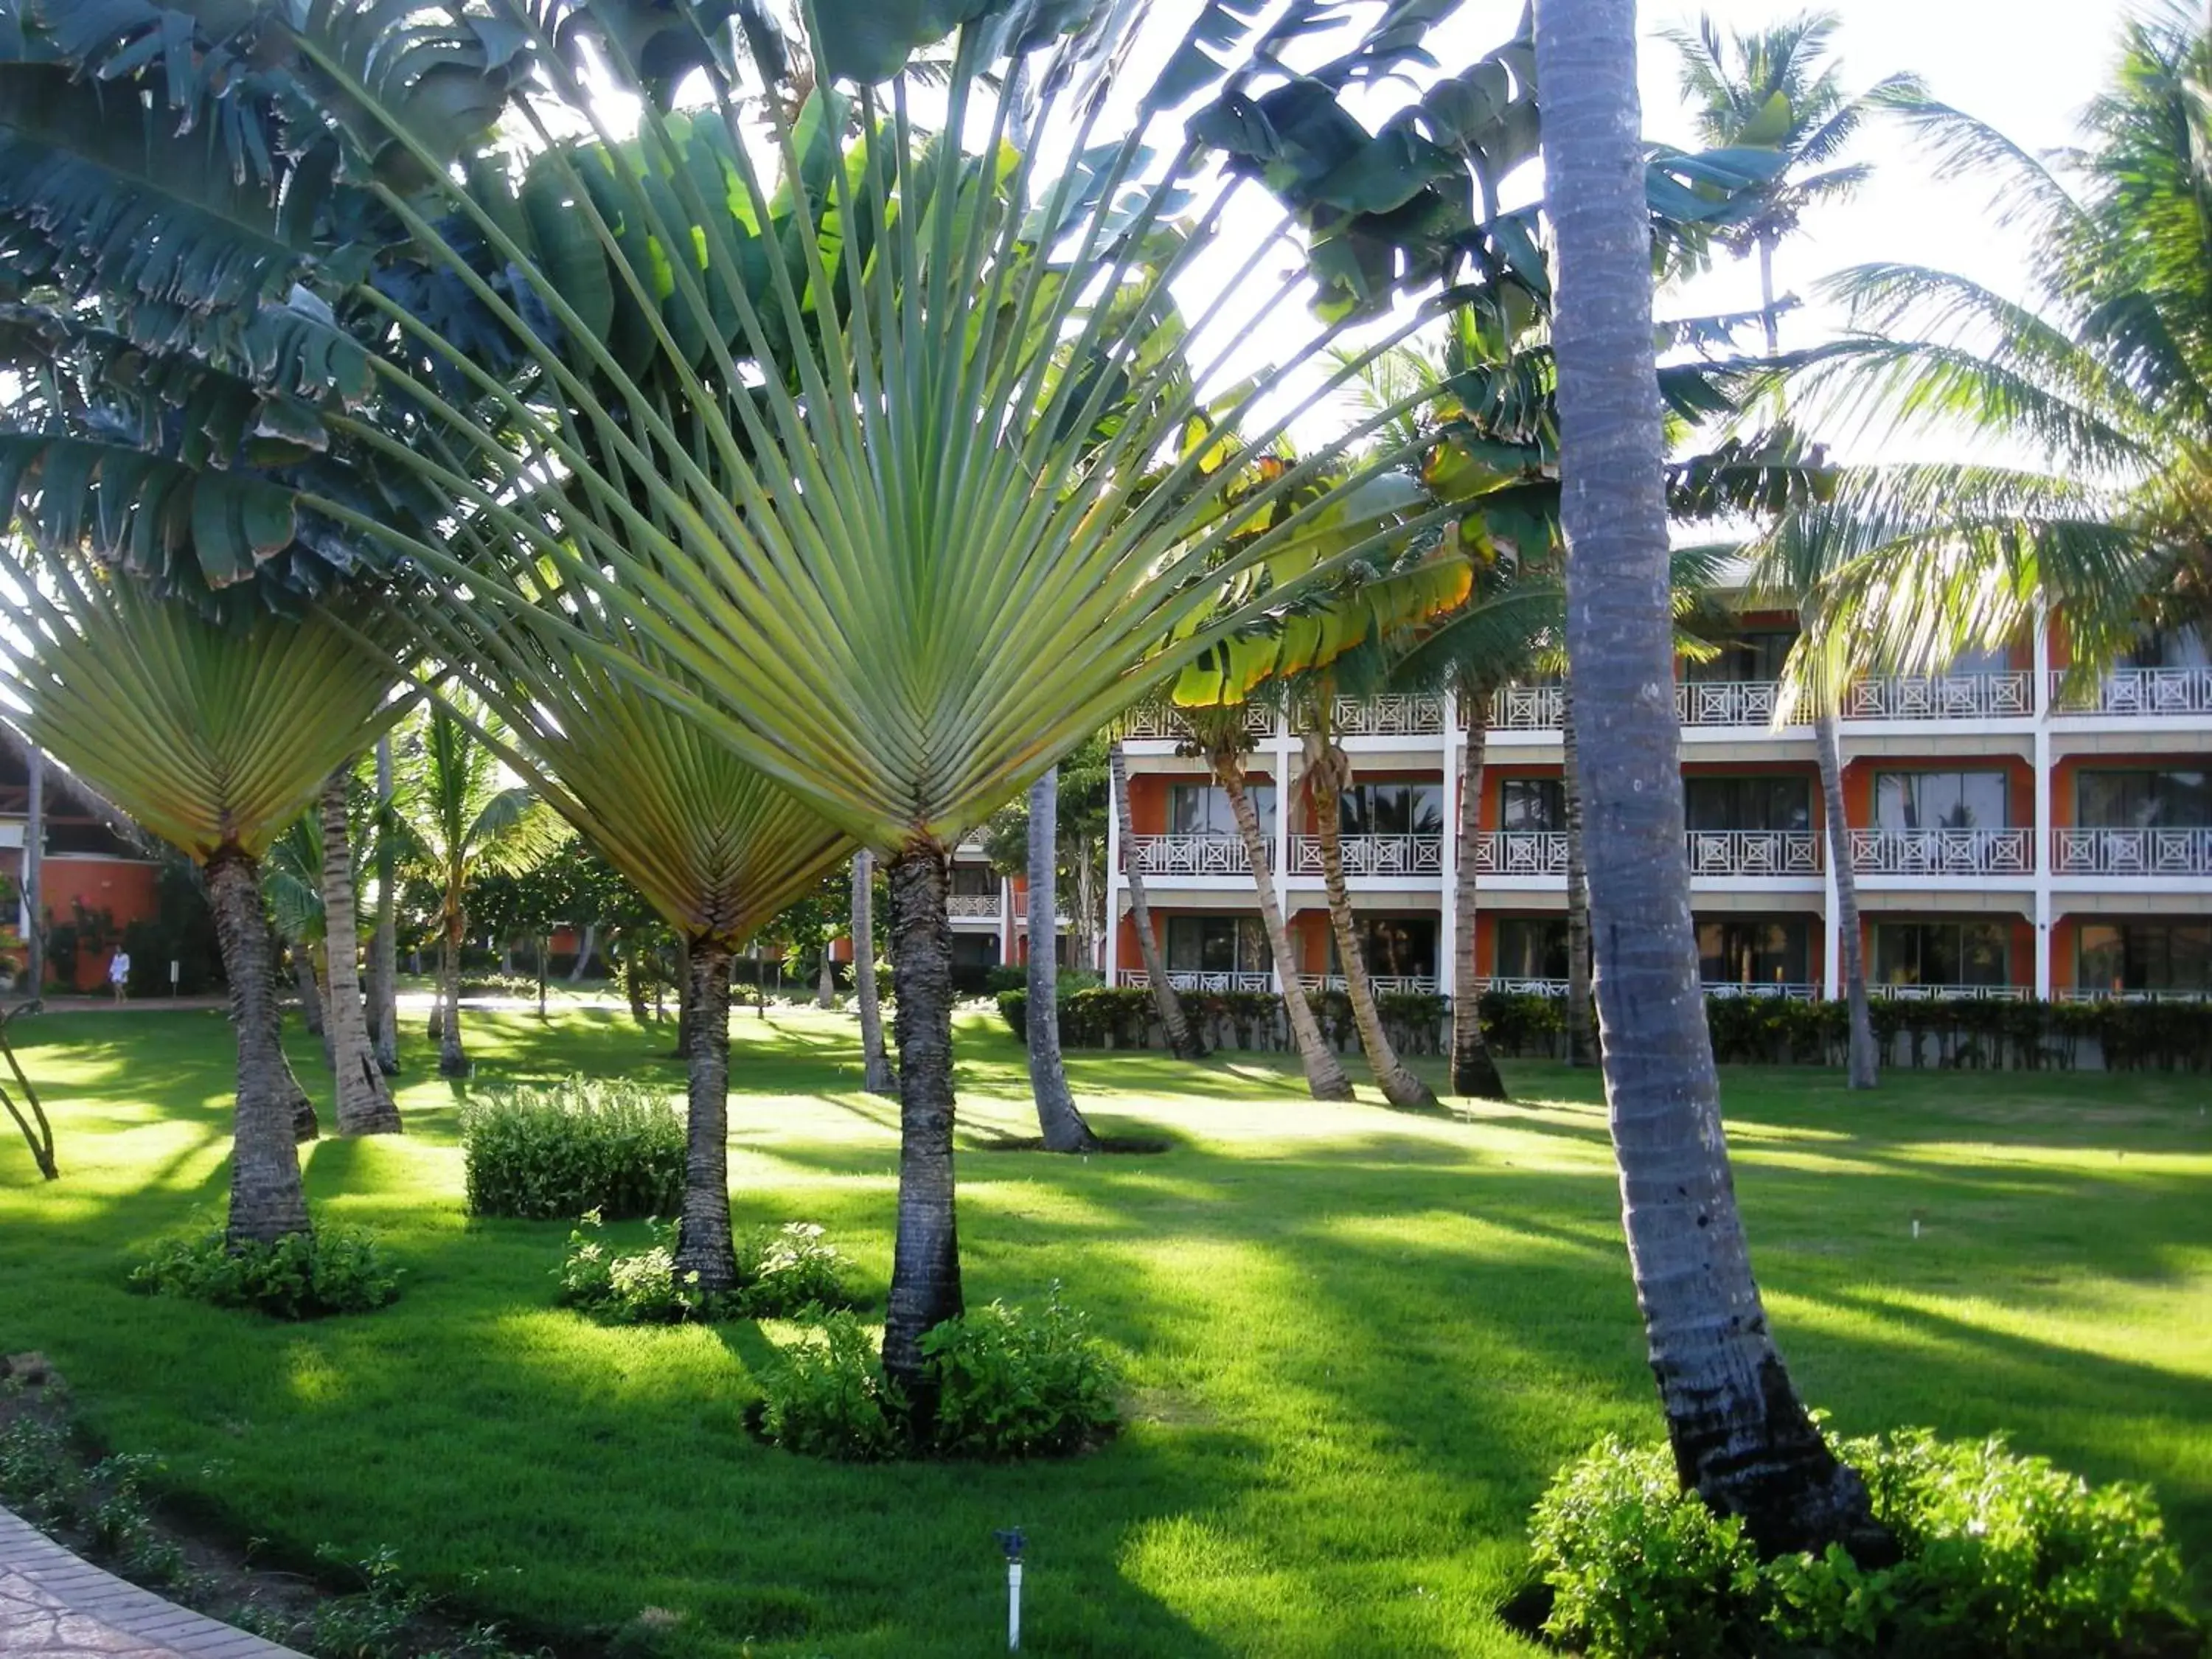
(1059, 1119)
(1325, 1078)
(309, 987)
(825, 982)
(1181, 1040)
(702, 1245)
(877, 1075)
(267, 1201)
(1863, 1063)
(383, 947)
(1329, 767)
(1740, 1435)
(925, 1260)
(1581, 1029)
(452, 1060)
(1474, 1068)
(364, 1098)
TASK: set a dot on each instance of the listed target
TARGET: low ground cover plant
(1007, 1382)
(333, 1270)
(782, 1271)
(546, 1154)
(2004, 1557)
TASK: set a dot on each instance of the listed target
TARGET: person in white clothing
(119, 972)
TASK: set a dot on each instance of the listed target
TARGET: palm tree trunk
(34, 888)
(452, 1061)
(384, 948)
(825, 979)
(1182, 1041)
(1739, 1434)
(1086, 906)
(1328, 768)
(1581, 1029)
(584, 953)
(1059, 1119)
(703, 1237)
(310, 988)
(365, 1103)
(1325, 1078)
(267, 1201)
(926, 1261)
(1863, 1063)
(1474, 1070)
(877, 1077)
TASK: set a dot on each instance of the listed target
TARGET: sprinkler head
(1013, 1542)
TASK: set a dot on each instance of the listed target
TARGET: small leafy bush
(333, 1270)
(2003, 1555)
(831, 1398)
(1013, 1384)
(782, 1271)
(541, 1154)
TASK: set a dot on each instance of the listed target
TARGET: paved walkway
(53, 1606)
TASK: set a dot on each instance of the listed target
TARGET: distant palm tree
(464, 815)
(1182, 1041)
(1059, 1119)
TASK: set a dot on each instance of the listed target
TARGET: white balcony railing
(2152, 852)
(1943, 852)
(1160, 721)
(973, 904)
(1385, 985)
(1522, 987)
(1523, 708)
(2097, 993)
(1726, 703)
(1201, 980)
(1951, 993)
(1397, 714)
(2138, 691)
(1753, 852)
(1186, 855)
(1792, 992)
(2006, 694)
(1372, 856)
(1521, 853)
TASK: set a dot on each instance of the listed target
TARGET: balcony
(1160, 721)
(1786, 990)
(1200, 981)
(1186, 855)
(1521, 853)
(972, 905)
(1385, 985)
(1372, 856)
(1943, 852)
(1523, 708)
(2150, 691)
(1753, 852)
(2009, 695)
(1522, 988)
(1727, 702)
(1393, 715)
(2091, 994)
(2131, 852)
(1951, 993)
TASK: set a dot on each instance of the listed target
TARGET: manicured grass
(1359, 1341)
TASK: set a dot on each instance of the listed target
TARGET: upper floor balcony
(971, 906)
(2138, 691)
(1943, 852)
(2141, 852)
(1188, 855)
(1373, 856)
(1747, 852)
(2001, 694)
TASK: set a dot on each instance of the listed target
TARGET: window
(975, 949)
(1981, 659)
(1940, 800)
(1757, 654)
(1531, 947)
(2179, 647)
(975, 881)
(1217, 944)
(1758, 803)
(2145, 955)
(1943, 953)
(1393, 947)
(1202, 809)
(1753, 950)
(2144, 800)
(1531, 804)
(1391, 809)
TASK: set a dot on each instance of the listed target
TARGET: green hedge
(1961, 1032)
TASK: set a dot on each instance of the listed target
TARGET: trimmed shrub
(2003, 1555)
(782, 1272)
(1012, 1383)
(333, 1270)
(540, 1154)
(831, 1398)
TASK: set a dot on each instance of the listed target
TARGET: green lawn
(1358, 1340)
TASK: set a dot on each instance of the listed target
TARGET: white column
(1283, 752)
(1006, 920)
(1832, 931)
(2042, 905)
(1448, 908)
(1113, 885)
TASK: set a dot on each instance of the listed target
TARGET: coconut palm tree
(384, 941)
(1182, 1041)
(877, 1075)
(1059, 1119)
(1741, 1436)
(200, 730)
(464, 814)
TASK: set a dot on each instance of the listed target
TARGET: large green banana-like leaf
(214, 737)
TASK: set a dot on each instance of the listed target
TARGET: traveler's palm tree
(214, 736)
(465, 816)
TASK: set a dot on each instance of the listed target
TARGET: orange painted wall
(1493, 790)
(124, 889)
(1859, 775)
